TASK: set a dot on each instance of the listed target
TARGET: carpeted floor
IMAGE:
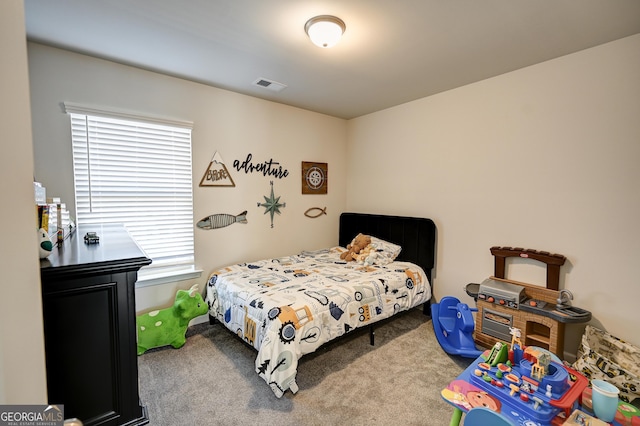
(211, 380)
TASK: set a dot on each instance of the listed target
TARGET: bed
(290, 306)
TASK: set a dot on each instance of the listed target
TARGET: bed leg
(372, 334)
(212, 319)
(426, 308)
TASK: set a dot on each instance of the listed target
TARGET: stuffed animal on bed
(168, 326)
(353, 249)
(368, 256)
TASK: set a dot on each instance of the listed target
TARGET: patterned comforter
(288, 307)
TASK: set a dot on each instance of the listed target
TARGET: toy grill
(501, 293)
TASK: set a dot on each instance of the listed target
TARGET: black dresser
(88, 303)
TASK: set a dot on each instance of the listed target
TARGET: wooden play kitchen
(540, 313)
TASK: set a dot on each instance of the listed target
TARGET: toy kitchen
(539, 312)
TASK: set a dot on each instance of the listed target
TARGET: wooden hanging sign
(217, 173)
(314, 177)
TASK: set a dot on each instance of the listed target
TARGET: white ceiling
(393, 51)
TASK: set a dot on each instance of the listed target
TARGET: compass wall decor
(314, 178)
(272, 204)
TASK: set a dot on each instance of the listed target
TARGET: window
(135, 171)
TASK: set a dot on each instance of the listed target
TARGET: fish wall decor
(315, 212)
(221, 220)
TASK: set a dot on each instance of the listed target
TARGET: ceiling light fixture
(325, 30)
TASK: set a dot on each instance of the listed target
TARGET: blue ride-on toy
(453, 324)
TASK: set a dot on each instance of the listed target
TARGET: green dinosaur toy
(168, 326)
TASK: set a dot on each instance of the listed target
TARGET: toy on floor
(453, 325)
(528, 380)
(168, 326)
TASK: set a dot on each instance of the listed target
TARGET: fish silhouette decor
(221, 220)
(315, 212)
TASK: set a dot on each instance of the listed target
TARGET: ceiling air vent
(274, 86)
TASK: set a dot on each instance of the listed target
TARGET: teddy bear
(353, 249)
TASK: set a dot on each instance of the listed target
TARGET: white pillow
(387, 252)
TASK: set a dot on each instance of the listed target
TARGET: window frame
(140, 132)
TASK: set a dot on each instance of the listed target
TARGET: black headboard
(416, 236)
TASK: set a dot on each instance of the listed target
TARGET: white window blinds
(137, 173)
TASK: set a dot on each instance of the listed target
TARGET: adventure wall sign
(267, 168)
(217, 173)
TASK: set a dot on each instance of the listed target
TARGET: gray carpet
(211, 380)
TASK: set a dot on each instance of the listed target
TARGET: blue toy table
(473, 388)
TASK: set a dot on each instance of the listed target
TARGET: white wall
(545, 158)
(22, 366)
(234, 125)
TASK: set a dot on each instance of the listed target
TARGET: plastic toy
(453, 325)
(499, 354)
(91, 238)
(539, 397)
(44, 243)
(534, 381)
(168, 326)
(482, 416)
